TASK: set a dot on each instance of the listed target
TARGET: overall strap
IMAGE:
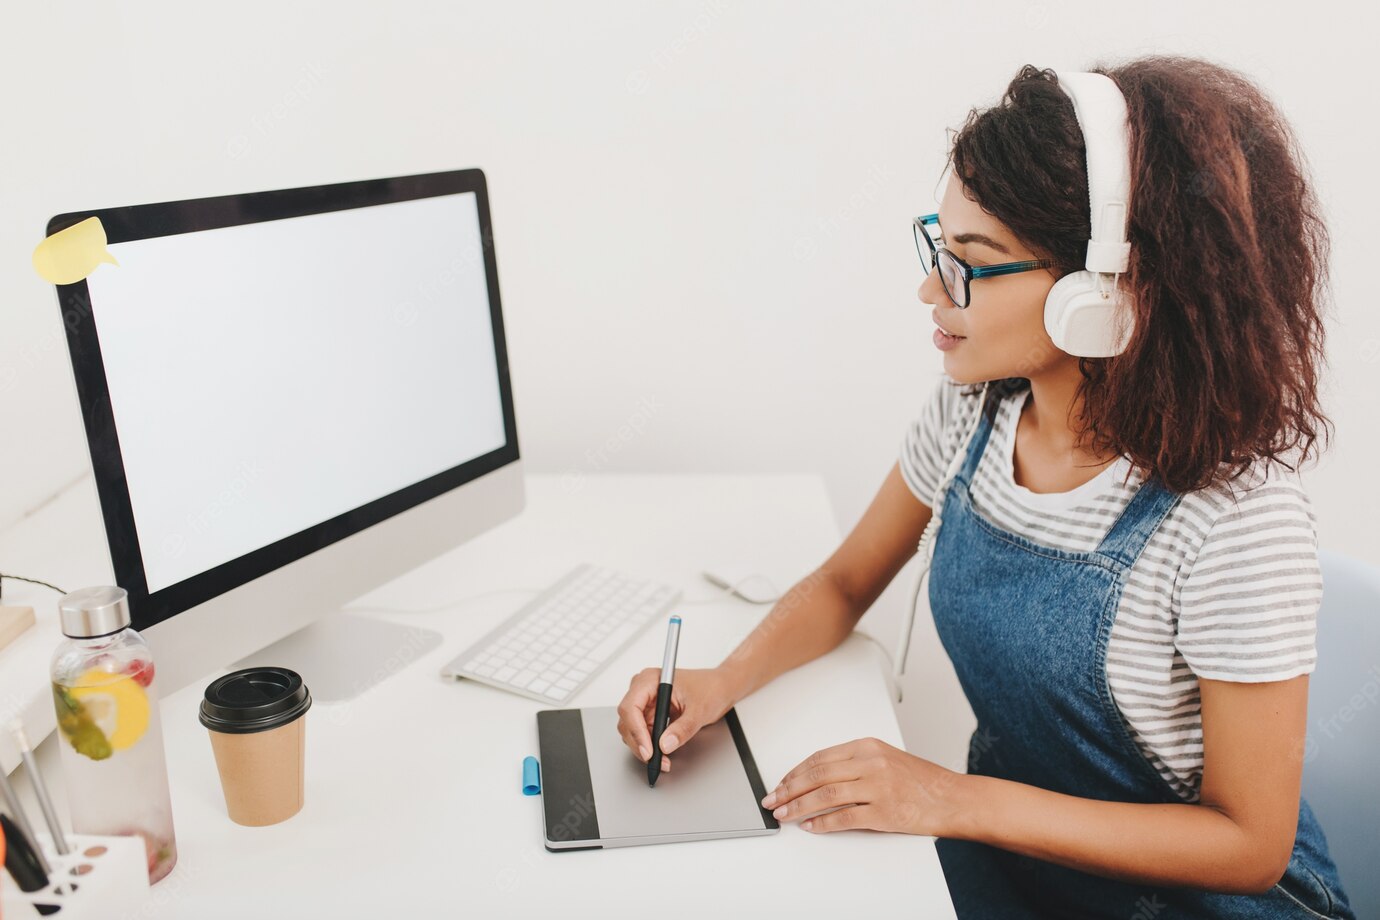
(1143, 515)
(979, 441)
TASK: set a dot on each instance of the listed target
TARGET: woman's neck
(1051, 451)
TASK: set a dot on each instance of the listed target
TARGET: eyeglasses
(955, 274)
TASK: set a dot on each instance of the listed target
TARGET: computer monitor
(290, 398)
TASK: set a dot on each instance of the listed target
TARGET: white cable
(925, 547)
(729, 589)
(452, 604)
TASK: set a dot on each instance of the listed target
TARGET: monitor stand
(341, 655)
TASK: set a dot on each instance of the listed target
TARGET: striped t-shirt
(1228, 588)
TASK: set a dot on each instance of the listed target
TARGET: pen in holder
(101, 878)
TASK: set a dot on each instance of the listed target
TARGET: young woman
(1126, 574)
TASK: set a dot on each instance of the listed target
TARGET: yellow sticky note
(70, 255)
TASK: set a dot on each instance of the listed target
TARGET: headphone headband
(1101, 111)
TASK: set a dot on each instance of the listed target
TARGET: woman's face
(1001, 333)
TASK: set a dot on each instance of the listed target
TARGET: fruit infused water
(109, 730)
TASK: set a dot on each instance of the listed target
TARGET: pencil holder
(103, 878)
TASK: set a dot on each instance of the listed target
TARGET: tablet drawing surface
(595, 791)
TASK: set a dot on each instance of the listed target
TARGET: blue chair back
(1341, 762)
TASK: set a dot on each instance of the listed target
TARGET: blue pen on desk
(663, 699)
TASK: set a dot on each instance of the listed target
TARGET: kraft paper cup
(256, 719)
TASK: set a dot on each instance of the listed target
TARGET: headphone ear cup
(1086, 322)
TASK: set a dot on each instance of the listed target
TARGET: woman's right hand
(699, 697)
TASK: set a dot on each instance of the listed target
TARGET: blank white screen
(270, 376)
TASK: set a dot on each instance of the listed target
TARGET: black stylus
(663, 699)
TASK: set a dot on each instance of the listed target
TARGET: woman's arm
(820, 610)
(1237, 839)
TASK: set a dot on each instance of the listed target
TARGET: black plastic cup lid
(254, 700)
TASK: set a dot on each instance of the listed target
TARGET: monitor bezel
(147, 221)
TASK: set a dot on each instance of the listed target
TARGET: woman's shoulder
(1250, 587)
(1239, 516)
(1264, 493)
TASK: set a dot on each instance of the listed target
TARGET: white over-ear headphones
(1087, 314)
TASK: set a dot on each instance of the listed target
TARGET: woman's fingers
(680, 730)
(632, 713)
(697, 700)
(852, 817)
(823, 798)
(836, 754)
(802, 789)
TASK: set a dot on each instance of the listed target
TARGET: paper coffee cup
(258, 734)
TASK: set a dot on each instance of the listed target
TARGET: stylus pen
(663, 699)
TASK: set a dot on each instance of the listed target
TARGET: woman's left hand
(873, 785)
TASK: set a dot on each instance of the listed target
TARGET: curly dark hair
(1228, 266)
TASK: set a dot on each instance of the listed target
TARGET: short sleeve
(1248, 605)
(932, 439)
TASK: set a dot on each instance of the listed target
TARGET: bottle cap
(91, 612)
(254, 700)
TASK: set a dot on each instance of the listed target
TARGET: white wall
(701, 208)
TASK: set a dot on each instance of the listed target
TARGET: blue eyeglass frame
(966, 271)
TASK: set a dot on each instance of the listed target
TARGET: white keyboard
(550, 648)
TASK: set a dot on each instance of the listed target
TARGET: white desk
(413, 800)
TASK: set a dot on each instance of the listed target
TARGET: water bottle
(109, 731)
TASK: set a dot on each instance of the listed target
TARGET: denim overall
(1026, 627)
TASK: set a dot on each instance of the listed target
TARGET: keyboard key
(505, 675)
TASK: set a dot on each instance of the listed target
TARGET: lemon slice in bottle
(119, 707)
